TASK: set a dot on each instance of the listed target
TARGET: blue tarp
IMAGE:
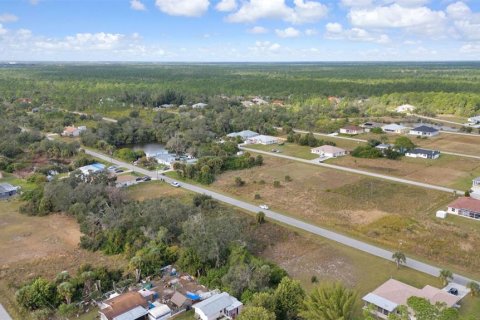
(192, 296)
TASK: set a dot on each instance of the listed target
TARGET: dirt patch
(364, 217)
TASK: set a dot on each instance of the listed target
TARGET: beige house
(73, 131)
(352, 130)
(329, 151)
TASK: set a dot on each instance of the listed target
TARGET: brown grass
(453, 143)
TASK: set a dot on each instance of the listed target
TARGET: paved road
(437, 120)
(4, 314)
(278, 217)
(356, 171)
(86, 114)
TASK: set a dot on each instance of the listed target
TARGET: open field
(456, 172)
(156, 189)
(34, 246)
(380, 212)
(289, 149)
(452, 143)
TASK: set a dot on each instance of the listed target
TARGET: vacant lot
(453, 143)
(456, 172)
(378, 211)
(39, 246)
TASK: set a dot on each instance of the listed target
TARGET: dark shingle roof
(424, 151)
(425, 129)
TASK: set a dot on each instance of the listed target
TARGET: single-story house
(384, 146)
(73, 131)
(474, 120)
(159, 312)
(200, 105)
(424, 131)
(217, 306)
(395, 128)
(180, 301)
(130, 305)
(329, 151)
(405, 108)
(423, 153)
(352, 130)
(475, 191)
(389, 296)
(7, 190)
(92, 168)
(367, 126)
(465, 207)
(245, 134)
(262, 139)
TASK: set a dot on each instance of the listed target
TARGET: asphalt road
(281, 218)
(356, 171)
(3, 313)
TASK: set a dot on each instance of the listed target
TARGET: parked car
(139, 179)
(147, 178)
(112, 168)
(175, 184)
(453, 291)
(118, 171)
(264, 207)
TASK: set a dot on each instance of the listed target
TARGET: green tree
(403, 144)
(66, 290)
(424, 310)
(445, 276)
(37, 295)
(331, 301)
(263, 299)
(256, 313)
(474, 288)
(399, 258)
(260, 217)
(288, 299)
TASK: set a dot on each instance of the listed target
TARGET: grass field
(289, 149)
(39, 246)
(456, 172)
(452, 143)
(378, 211)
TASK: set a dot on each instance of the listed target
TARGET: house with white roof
(395, 128)
(200, 105)
(329, 151)
(7, 190)
(218, 306)
(405, 108)
(92, 168)
(262, 139)
(245, 134)
(159, 312)
(389, 296)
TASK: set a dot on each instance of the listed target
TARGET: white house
(159, 312)
(389, 296)
(200, 105)
(262, 139)
(395, 128)
(7, 190)
(92, 168)
(245, 134)
(424, 131)
(465, 207)
(405, 108)
(217, 306)
(352, 130)
(329, 151)
(73, 131)
(475, 191)
(423, 153)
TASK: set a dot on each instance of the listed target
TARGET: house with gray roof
(245, 134)
(424, 131)
(218, 306)
(7, 190)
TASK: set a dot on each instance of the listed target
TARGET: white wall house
(423, 153)
(262, 139)
(329, 151)
(245, 134)
(217, 306)
(73, 131)
(424, 131)
(395, 128)
(352, 130)
(404, 108)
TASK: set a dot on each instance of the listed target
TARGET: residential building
(7, 190)
(395, 128)
(405, 108)
(262, 139)
(245, 134)
(466, 207)
(200, 105)
(352, 130)
(180, 301)
(389, 296)
(159, 312)
(384, 146)
(218, 306)
(424, 131)
(73, 131)
(475, 191)
(92, 168)
(127, 306)
(474, 120)
(423, 153)
(368, 126)
(329, 151)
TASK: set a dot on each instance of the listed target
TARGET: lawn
(452, 143)
(289, 149)
(456, 172)
(374, 210)
(156, 189)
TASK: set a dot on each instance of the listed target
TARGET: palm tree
(474, 288)
(446, 276)
(399, 258)
(66, 290)
(331, 301)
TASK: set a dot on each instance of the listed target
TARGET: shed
(441, 214)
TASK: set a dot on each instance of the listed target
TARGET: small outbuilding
(7, 190)
(441, 214)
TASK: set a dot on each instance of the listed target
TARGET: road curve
(356, 171)
(278, 217)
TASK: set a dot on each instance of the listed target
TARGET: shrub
(239, 182)
(260, 217)
(368, 152)
(276, 184)
(257, 196)
(288, 178)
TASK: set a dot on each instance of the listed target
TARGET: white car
(175, 184)
(264, 207)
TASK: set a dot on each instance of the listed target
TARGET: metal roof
(133, 314)
(7, 187)
(424, 151)
(216, 303)
(383, 303)
(159, 311)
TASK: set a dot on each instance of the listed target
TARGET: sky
(239, 30)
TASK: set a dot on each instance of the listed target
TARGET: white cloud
(356, 3)
(187, 8)
(2, 30)
(137, 5)
(311, 32)
(395, 16)
(335, 31)
(303, 11)
(471, 49)
(226, 5)
(8, 17)
(265, 47)
(287, 33)
(258, 30)
(465, 21)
